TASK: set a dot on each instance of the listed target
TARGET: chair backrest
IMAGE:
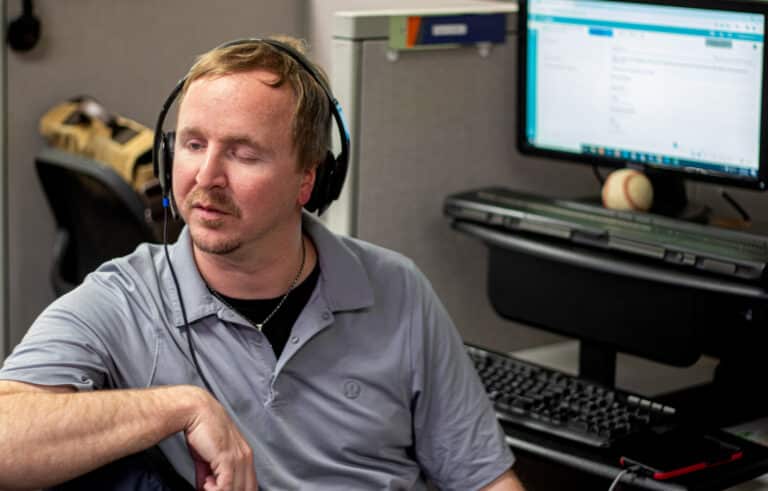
(98, 215)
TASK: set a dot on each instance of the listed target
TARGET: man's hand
(223, 458)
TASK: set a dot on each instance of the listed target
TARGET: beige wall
(126, 53)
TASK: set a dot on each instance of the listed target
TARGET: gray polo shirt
(372, 391)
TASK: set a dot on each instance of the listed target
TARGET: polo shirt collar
(343, 278)
(198, 300)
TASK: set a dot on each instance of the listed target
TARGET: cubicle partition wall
(426, 123)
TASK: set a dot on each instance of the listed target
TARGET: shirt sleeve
(458, 440)
(80, 340)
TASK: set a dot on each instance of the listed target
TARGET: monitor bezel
(693, 174)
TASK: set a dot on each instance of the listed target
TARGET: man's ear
(307, 184)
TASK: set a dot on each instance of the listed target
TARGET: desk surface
(633, 374)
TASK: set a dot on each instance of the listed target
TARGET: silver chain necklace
(260, 325)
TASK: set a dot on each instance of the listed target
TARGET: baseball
(627, 189)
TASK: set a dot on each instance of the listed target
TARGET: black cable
(181, 300)
(600, 178)
(744, 215)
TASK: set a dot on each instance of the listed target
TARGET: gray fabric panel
(435, 122)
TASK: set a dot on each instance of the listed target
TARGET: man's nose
(212, 170)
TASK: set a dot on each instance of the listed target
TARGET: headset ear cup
(319, 200)
(166, 162)
(337, 177)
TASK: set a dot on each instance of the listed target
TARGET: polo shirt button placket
(272, 393)
(255, 338)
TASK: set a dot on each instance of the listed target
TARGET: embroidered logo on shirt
(351, 389)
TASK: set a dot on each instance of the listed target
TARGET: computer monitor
(674, 88)
(679, 90)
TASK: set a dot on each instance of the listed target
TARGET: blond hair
(312, 114)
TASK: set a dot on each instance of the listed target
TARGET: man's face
(236, 178)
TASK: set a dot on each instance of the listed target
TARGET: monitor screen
(666, 86)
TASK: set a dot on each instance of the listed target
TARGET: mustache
(215, 198)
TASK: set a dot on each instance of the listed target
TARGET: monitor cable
(736, 206)
(598, 176)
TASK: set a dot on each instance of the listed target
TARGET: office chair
(144, 471)
(99, 216)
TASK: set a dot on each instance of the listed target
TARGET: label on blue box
(413, 32)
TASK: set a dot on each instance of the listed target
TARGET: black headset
(330, 174)
(24, 32)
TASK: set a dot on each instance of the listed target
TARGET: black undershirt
(278, 328)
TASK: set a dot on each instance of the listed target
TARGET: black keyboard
(560, 404)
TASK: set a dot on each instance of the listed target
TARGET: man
(330, 362)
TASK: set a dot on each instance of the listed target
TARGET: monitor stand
(597, 362)
(671, 199)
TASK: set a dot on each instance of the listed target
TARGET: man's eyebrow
(249, 142)
(188, 133)
(241, 140)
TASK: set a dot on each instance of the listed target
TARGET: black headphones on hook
(330, 174)
(24, 31)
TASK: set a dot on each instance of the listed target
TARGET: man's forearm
(49, 438)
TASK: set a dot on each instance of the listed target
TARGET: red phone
(676, 453)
